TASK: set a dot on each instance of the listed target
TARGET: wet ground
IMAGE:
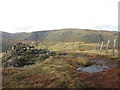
(102, 74)
(23, 67)
(98, 66)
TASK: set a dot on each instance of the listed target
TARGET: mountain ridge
(62, 35)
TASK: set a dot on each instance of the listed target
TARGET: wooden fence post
(114, 46)
(107, 46)
(101, 45)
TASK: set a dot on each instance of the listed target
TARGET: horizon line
(62, 29)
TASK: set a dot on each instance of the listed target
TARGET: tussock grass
(57, 71)
(53, 72)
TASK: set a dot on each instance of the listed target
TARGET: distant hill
(64, 35)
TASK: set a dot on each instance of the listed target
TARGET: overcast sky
(37, 15)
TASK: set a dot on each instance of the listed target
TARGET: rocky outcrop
(23, 54)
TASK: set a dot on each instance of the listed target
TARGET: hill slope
(82, 35)
(63, 35)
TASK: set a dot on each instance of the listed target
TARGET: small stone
(12, 48)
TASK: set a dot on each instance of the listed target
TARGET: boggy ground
(60, 71)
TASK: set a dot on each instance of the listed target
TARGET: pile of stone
(19, 47)
(23, 54)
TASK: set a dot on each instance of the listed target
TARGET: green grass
(67, 46)
(78, 47)
(57, 71)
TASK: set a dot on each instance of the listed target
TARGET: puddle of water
(93, 68)
(27, 66)
(23, 67)
(99, 66)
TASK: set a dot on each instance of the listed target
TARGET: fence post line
(107, 46)
(101, 45)
(114, 46)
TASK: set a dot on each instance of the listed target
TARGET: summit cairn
(23, 54)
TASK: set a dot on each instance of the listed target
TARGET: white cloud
(55, 14)
(106, 27)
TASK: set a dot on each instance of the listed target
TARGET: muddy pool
(100, 65)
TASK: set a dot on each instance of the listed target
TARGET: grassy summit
(60, 71)
(67, 66)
